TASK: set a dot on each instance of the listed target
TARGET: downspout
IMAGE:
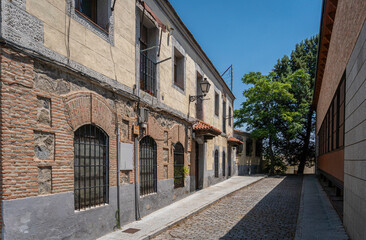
(118, 214)
(137, 185)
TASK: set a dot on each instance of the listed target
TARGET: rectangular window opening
(96, 11)
(178, 69)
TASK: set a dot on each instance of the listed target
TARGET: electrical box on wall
(125, 156)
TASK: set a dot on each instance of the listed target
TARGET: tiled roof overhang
(234, 141)
(203, 128)
(325, 33)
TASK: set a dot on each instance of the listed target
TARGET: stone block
(124, 129)
(44, 111)
(45, 180)
(44, 144)
(166, 172)
(166, 155)
(165, 137)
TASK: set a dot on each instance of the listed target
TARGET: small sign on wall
(136, 129)
(125, 156)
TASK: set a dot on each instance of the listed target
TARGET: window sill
(91, 208)
(179, 85)
(149, 194)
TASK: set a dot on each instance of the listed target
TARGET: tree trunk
(305, 150)
(271, 172)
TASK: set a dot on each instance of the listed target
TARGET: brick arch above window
(87, 107)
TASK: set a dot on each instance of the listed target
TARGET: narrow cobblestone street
(265, 210)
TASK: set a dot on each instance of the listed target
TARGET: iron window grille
(147, 66)
(90, 167)
(148, 173)
(216, 164)
(147, 74)
(223, 164)
(178, 165)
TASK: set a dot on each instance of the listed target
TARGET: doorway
(229, 162)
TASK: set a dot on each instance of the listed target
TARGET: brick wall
(41, 107)
(348, 22)
(167, 131)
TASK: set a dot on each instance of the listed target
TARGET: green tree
(299, 149)
(267, 102)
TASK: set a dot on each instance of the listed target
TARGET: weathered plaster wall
(72, 39)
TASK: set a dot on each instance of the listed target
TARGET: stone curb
(298, 233)
(196, 211)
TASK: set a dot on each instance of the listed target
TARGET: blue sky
(250, 34)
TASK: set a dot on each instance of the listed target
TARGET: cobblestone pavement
(265, 210)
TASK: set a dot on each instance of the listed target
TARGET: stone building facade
(339, 100)
(248, 154)
(97, 124)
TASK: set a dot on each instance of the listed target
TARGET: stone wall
(354, 215)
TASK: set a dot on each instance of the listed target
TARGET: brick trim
(88, 107)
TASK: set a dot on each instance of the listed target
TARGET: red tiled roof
(202, 126)
(234, 140)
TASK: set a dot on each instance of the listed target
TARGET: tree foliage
(278, 106)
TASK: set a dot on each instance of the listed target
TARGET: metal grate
(147, 74)
(178, 165)
(148, 180)
(223, 164)
(216, 163)
(90, 167)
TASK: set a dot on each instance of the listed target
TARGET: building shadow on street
(275, 216)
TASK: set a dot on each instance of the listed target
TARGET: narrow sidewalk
(317, 218)
(164, 218)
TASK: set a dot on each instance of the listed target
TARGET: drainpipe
(136, 158)
(137, 195)
(118, 179)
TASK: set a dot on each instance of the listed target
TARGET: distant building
(340, 103)
(248, 154)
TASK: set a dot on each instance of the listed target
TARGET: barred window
(178, 165)
(148, 178)
(216, 163)
(90, 167)
(223, 164)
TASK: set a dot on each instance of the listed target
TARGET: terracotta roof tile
(234, 140)
(202, 126)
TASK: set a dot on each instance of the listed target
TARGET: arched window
(91, 183)
(216, 163)
(223, 164)
(148, 179)
(178, 165)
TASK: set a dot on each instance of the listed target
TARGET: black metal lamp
(205, 88)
